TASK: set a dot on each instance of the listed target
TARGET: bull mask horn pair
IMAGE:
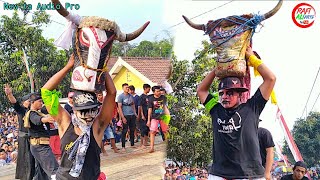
(266, 16)
(131, 36)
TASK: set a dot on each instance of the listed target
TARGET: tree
(306, 134)
(191, 134)
(162, 48)
(17, 36)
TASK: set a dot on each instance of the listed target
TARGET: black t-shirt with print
(157, 105)
(144, 104)
(236, 145)
(265, 141)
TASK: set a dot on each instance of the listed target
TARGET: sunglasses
(228, 93)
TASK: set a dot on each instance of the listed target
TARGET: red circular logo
(303, 15)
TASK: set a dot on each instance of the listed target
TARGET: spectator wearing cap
(299, 170)
(82, 132)
(25, 168)
(69, 105)
(236, 149)
(37, 123)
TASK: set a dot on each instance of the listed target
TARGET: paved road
(135, 164)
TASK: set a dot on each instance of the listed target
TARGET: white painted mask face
(87, 115)
(94, 45)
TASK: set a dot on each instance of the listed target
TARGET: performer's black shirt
(21, 111)
(91, 166)
(236, 145)
(37, 128)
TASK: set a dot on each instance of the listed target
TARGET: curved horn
(62, 11)
(274, 10)
(135, 34)
(196, 26)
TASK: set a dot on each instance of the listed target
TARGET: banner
(292, 145)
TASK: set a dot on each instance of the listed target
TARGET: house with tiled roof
(137, 71)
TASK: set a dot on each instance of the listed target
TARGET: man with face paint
(81, 133)
(236, 146)
(25, 162)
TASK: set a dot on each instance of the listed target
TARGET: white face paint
(86, 115)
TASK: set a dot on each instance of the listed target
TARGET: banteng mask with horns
(91, 42)
(230, 37)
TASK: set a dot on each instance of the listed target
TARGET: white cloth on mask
(167, 87)
(65, 39)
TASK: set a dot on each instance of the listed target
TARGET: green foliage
(306, 134)
(162, 48)
(44, 60)
(191, 135)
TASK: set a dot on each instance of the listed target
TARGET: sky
(128, 14)
(289, 51)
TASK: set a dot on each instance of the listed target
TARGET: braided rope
(251, 23)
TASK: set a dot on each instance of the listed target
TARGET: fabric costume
(91, 166)
(39, 144)
(76, 148)
(265, 141)
(236, 146)
(25, 168)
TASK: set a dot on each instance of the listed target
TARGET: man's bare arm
(204, 86)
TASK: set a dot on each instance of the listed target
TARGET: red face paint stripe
(97, 38)
(82, 40)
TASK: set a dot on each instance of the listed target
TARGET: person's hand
(249, 52)
(71, 61)
(148, 123)
(124, 120)
(143, 118)
(267, 175)
(7, 89)
(47, 119)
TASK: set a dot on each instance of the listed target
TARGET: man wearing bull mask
(81, 131)
(236, 146)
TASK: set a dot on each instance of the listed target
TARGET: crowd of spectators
(174, 172)
(9, 131)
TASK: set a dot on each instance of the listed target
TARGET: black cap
(301, 164)
(25, 97)
(232, 83)
(84, 100)
(35, 96)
